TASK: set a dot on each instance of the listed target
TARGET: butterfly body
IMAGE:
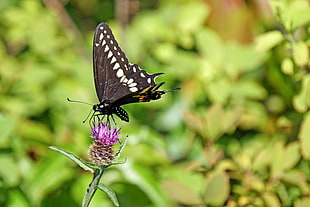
(117, 81)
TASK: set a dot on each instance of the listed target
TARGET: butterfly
(117, 81)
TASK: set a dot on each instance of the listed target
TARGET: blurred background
(237, 134)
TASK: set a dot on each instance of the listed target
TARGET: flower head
(102, 133)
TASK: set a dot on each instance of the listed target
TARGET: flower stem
(92, 187)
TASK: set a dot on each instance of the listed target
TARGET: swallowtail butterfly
(118, 81)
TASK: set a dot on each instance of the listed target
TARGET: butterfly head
(102, 107)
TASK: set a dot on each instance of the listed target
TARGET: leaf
(271, 200)
(277, 160)
(287, 66)
(268, 40)
(232, 117)
(298, 178)
(82, 163)
(217, 188)
(291, 155)
(303, 202)
(110, 193)
(300, 53)
(6, 127)
(304, 135)
(181, 193)
(301, 100)
(214, 121)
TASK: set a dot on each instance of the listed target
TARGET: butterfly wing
(115, 78)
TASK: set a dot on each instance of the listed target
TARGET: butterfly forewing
(115, 78)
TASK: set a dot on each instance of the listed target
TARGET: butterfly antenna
(75, 101)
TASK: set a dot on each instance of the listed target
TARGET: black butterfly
(117, 81)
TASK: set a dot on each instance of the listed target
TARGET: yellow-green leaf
(300, 53)
(268, 40)
(217, 188)
(304, 135)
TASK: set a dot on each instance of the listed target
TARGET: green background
(237, 134)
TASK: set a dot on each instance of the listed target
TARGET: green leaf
(300, 53)
(271, 200)
(181, 193)
(303, 202)
(82, 163)
(6, 127)
(217, 188)
(304, 135)
(298, 178)
(214, 121)
(287, 66)
(277, 160)
(301, 101)
(291, 155)
(268, 40)
(110, 193)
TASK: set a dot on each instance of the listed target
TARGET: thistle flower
(101, 152)
(104, 134)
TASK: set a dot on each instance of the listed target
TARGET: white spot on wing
(142, 75)
(101, 36)
(110, 54)
(105, 31)
(132, 84)
(133, 89)
(122, 79)
(116, 66)
(97, 44)
(113, 60)
(106, 48)
(120, 73)
(134, 69)
(101, 28)
(108, 36)
(111, 41)
(149, 80)
(115, 48)
(130, 80)
(103, 42)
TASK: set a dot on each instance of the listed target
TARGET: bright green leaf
(268, 40)
(304, 135)
(291, 155)
(300, 53)
(82, 163)
(110, 193)
(287, 66)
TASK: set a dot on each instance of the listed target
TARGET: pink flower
(102, 133)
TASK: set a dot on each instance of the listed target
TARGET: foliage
(237, 134)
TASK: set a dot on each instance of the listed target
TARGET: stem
(92, 187)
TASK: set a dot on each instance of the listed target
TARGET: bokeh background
(237, 134)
